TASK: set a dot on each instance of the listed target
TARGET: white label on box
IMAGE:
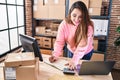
(46, 1)
(35, 2)
(90, 10)
(37, 29)
(10, 73)
(56, 1)
(35, 7)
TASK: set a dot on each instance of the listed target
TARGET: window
(11, 24)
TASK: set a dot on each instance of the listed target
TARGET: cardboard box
(19, 59)
(40, 29)
(27, 72)
(22, 72)
(95, 11)
(51, 2)
(44, 51)
(54, 27)
(54, 39)
(36, 14)
(48, 32)
(47, 42)
(85, 1)
(97, 57)
(95, 7)
(55, 2)
(46, 39)
(56, 12)
(95, 3)
(54, 33)
(40, 2)
(39, 40)
(44, 2)
(95, 42)
(41, 12)
(21, 66)
(47, 45)
(44, 10)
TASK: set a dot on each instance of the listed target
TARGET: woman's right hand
(52, 59)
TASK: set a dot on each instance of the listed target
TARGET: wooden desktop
(46, 71)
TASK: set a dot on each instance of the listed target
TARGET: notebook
(95, 67)
(59, 64)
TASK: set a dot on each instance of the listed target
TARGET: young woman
(77, 31)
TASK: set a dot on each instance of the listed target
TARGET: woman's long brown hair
(82, 29)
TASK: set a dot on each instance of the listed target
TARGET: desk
(46, 71)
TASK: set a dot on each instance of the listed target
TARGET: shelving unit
(102, 44)
(109, 15)
(102, 40)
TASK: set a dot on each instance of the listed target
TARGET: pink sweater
(65, 34)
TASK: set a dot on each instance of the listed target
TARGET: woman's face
(76, 16)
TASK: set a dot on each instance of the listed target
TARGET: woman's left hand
(71, 65)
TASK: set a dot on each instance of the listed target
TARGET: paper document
(10, 73)
(59, 64)
(100, 27)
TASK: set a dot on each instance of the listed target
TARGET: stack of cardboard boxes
(50, 9)
(44, 42)
(95, 7)
(41, 10)
(21, 66)
(85, 1)
(40, 29)
(51, 31)
(55, 9)
(95, 42)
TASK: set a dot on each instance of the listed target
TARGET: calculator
(68, 71)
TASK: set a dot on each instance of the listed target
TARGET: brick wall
(113, 53)
(28, 8)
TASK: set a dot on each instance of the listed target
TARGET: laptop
(95, 67)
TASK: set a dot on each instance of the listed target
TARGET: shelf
(100, 17)
(46, 48)
(46, 35)
(100, 37)
(48, 19)
(100, 52)
(93, 17)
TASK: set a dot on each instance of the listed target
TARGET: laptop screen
(96, 67)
